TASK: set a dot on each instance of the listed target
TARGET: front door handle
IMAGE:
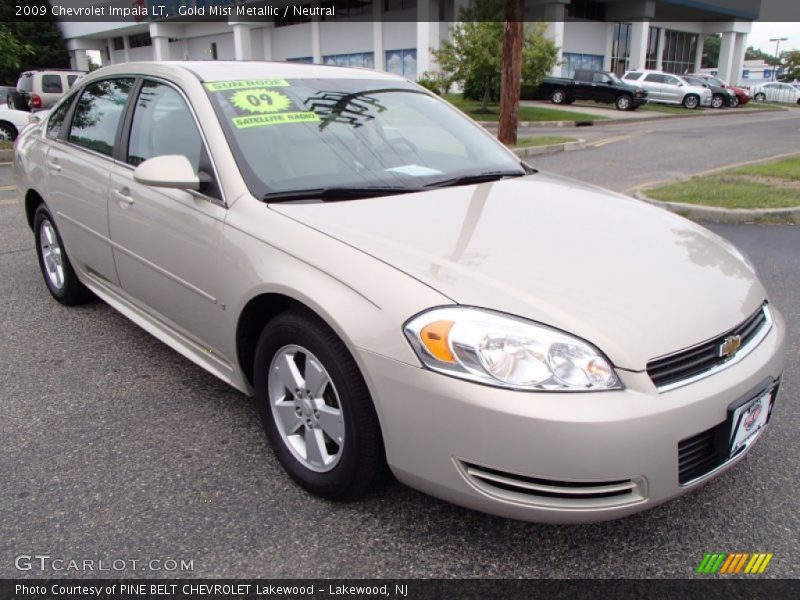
(53, 164)
(123, 194)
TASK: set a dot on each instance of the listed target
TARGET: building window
(301, 59)
(139, 40)
(652, 48)
(347, 8)
(402, 62)
(586, 9)
(391, 5)
(621, 48)
(358, 59)
(119, 43)
(680, 49)
(574, 61)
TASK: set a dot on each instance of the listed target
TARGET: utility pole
(777, 56)
(511, 77)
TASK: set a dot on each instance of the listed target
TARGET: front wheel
(691, 102)
(717, 101)
(316, 409)
(57, 270)
(624, 102)
(559, 96)
(734, 101)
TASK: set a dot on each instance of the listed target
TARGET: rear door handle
(53, 164)
(123, 194)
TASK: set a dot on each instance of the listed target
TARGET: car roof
(224, 70)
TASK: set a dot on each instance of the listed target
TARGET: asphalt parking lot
(117, 448)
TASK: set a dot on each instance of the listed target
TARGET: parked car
(11, 123)
(41, 89)
(721, 96)
(600, 86)
(667, 88)
(742, 96)
(4, 89)
(776, 91)
(393, 285)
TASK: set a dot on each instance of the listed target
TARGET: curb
(724, 215)
(542, 123)
(6, 155)
(550, 149)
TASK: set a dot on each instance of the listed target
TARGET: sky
(762, 32)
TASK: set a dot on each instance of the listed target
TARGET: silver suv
(668, 88)
(41, 89)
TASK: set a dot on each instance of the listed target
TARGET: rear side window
(654, 78)
(97, 114)
(162, 124)
(25, 83)
(51, 84)
(632, 75)
(56, 120)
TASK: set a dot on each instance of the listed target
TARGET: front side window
(51, 84)
(162, 124)
(301, 134)
(671, 80)
(654, 78)
(97, 114)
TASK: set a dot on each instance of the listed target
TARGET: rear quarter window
(632, 76)
(25, 83)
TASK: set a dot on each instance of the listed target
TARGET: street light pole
(777, 56)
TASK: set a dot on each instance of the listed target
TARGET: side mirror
(680, 85)
(168, 171)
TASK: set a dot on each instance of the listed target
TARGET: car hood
(634, 280)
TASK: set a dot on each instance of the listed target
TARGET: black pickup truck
(600, 86)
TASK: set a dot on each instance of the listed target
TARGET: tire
(336, 467)
(734, 102)
(718, 101)
(691, 101)
(8, 133)
(16, 101)
(624, 102)
(559, 96)
(760, 97)
(59, 276)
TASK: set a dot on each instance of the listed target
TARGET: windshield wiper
(336, 193)
(475, 178)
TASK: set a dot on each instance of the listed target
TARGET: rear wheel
(624, 102)
(691, 101)
(717, 101)
(8, 133)
(316, 409)
(57, 270)
(559, 96)
(760, 97)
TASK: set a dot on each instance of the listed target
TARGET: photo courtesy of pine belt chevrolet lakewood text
(399, 292)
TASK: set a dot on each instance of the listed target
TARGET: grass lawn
(526, 113)
(542, 140)
(768, 185)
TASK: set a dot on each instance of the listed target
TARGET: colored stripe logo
(737, 563)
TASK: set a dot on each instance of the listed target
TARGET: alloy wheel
(306, 408)
(52, 255)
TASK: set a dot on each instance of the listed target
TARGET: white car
(667, 88)
(12, 122)
(776, 91)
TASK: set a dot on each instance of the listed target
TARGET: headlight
(503, 351)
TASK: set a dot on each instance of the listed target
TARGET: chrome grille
(675, 369)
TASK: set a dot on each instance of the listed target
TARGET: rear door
(79, 163)
(166, 240)
(654, 83)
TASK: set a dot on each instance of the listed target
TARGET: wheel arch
(33, 200)
(13, 127)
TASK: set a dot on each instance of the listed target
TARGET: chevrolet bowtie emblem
(730, 346)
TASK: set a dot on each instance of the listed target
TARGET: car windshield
(313, 137)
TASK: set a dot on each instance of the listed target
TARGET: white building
(398, 35)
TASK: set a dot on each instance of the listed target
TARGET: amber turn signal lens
(434, 338)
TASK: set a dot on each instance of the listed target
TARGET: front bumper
(462, 442)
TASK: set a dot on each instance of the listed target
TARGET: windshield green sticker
(260, 100)
(240, 84)
(275, 119)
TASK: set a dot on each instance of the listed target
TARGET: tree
(758, 54)
(711, 50)
(12, 50)
(39, 33)
(473, 55)
(791, 65)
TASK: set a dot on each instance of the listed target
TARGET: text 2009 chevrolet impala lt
(396, 288)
